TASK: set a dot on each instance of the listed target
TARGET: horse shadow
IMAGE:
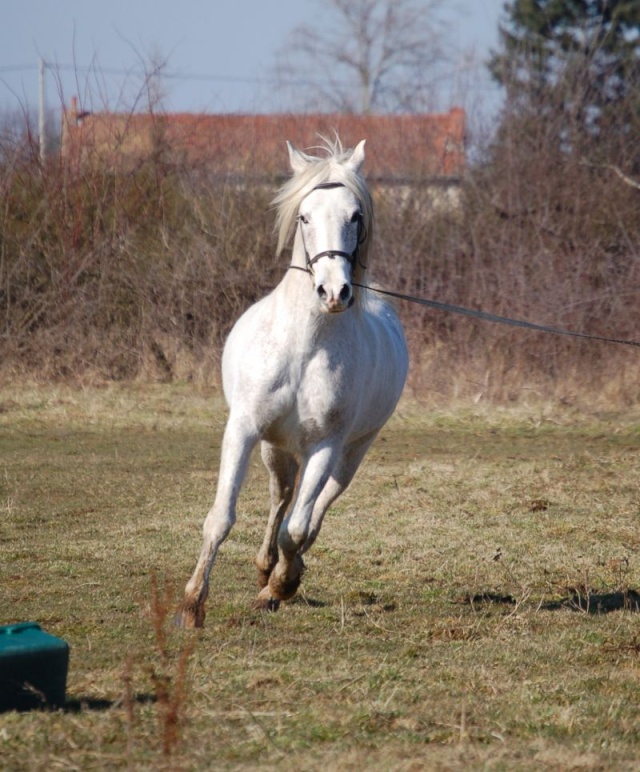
(97, 705)
(583, 600)
(588, 602)
(77, 705)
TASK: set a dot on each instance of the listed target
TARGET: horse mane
(332, 167)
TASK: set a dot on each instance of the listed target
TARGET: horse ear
(356, 161)
(297, 158)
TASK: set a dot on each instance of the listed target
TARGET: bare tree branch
(369, 55)
(623, 176)
(617, 170)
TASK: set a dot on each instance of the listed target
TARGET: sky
(219, 54)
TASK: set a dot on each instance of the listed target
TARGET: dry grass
(472, 601)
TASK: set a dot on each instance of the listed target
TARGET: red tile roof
(407, 147)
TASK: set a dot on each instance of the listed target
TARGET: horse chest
(306, 400)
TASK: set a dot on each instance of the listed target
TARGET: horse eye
(355, 217)
(303, 219)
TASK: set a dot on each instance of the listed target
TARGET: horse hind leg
(285, 577)
(283, 470)
(285, 581)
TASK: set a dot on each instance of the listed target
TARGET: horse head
(332, 211)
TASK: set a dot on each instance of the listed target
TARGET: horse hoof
(189, 618)
(285, 587)
(266, 602)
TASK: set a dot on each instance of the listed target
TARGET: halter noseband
(352, 257)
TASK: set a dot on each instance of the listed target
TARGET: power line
(190, 76)
(19, 67)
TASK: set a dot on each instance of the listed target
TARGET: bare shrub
(114, 271)
(105, 268)
(545, 233)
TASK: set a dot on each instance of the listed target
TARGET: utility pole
(41, 117)
(365, 91)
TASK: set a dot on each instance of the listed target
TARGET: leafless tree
(365, 55)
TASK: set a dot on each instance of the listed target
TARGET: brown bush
(114, 273)
(117, 273)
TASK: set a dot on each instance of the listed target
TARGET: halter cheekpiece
(352, 257)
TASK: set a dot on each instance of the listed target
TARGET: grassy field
(472, 601)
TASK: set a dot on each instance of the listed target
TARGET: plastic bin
(33, 667)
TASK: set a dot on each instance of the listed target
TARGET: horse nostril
(345, 293)
(322, 293)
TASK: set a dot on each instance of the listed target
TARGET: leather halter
(352, 257)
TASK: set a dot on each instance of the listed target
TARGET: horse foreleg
(340, 479)
(237, 445)
(285, 577)
(283, 469)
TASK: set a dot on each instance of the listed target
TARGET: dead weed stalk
(170, 678)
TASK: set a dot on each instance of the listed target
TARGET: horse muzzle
(335, 300)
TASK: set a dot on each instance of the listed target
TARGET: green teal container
(33, 668)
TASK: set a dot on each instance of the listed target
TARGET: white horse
(313, 371)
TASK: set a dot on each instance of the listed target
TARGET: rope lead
(487, 317)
